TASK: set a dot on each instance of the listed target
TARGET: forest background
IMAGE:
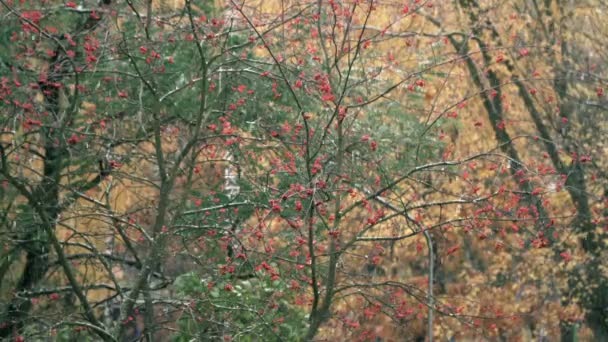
(303, 170)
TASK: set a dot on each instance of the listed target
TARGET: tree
(556, 118)
(262, 171)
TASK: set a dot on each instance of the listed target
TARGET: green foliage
(401, 135)
(249, 310)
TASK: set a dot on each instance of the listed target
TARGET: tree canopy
(292, 170)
